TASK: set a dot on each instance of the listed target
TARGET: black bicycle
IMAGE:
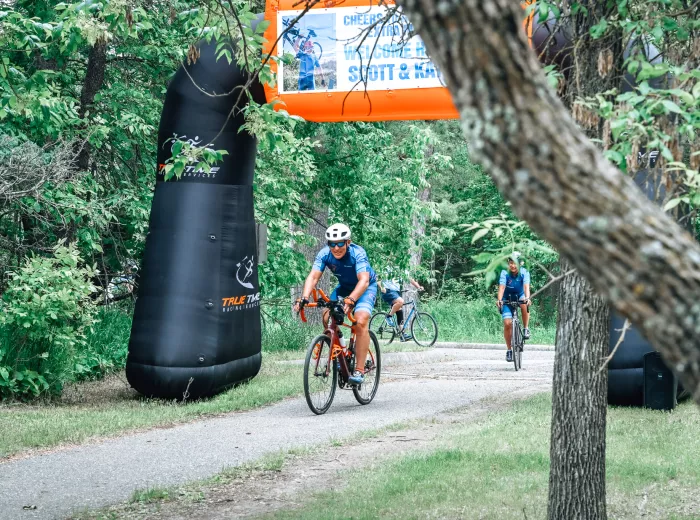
(517, 337)
(295, 32)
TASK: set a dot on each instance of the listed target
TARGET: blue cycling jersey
(514, 284)
(347, 268)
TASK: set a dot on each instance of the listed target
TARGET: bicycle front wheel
(373, 368)
(517, 346)
(320, 375)
(424, 329)
(381, 328)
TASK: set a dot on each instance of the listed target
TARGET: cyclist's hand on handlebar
(300, 303)
(525, 301)
(349, 305)
(499, 304)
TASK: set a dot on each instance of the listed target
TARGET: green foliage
(283, 332)
(106, 344)
(285, 170)
(47, 311)
(662, 113)
(510, 235)
(41, 79)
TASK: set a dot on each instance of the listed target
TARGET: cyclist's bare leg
(526, 315)
(507, 331)
(362, 340)
(326, 315)
(398, 303)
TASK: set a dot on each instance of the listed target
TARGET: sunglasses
(336, 244)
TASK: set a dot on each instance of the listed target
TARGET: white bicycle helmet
(338, 232)
(515, 256)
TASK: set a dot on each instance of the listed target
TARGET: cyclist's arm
(501, 285)
(416, 284)
(361, 287)
(526, 284)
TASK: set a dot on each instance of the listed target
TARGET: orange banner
(346, 61)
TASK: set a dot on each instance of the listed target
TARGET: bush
(107, 344)
(281, 331)
(47, 310)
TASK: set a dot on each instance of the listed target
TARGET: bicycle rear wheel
(320, 375)
(381, 328)
(424, 329)
(373, 368)
(517, 346)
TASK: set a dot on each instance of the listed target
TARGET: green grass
(481, 471)
(112, 412)
(478, 321)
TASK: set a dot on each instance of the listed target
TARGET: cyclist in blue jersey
(514, 283)
(390, 288)
(357, 285)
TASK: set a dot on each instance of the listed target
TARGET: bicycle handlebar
(329, 304)
(515, 302)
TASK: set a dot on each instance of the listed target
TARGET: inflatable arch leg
(196, 326)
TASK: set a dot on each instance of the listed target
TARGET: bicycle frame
(302, 43)
(338, 353)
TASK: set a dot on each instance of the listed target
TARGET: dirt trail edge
(89, 477)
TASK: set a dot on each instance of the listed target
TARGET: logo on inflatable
(245, 271)
(236, 303)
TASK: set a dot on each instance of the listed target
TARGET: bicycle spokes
(424, 329)
(365, 392)
(319, 375)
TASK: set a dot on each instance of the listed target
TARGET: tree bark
(94, 78)
(556, 179)
(579, 402)
(418, 231)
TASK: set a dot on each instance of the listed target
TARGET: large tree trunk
(558, 181)
(579, 402)
(577, 471)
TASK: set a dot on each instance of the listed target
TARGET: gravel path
(414, 385)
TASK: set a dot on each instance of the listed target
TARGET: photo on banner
(347, 49)
(311, 40)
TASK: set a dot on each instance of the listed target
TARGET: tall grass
(478, 321)
(472, 321)
(284, 332)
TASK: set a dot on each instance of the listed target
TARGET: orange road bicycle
(330, 359)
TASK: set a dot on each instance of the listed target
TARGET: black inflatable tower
(196, 326)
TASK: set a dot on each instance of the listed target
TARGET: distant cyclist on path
(514, 284)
